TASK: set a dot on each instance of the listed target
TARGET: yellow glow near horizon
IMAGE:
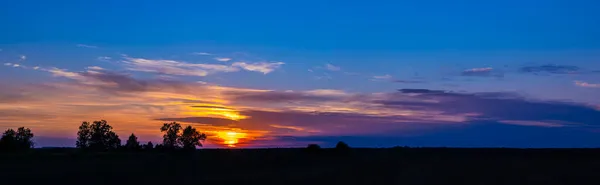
(231, 138)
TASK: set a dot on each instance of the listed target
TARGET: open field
(300, 166)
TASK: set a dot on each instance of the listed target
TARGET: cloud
(263, 67)
(104, 58)
(331, 67)
(409, 81)
(202, 53)
(487, 71)
(203, 120)
(137, 104)
(552, 69)
(22, 57)
(531, 123)
(222, 59)
(172, 67)
(86, 46)
(96, 68)
(383, 77)
(585, 84)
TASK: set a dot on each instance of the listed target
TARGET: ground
(300, 166)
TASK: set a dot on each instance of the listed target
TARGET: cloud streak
(86, 46)
(263, 67)
(585, 84)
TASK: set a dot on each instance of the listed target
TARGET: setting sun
(231, 138)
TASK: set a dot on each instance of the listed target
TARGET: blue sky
(542, 51)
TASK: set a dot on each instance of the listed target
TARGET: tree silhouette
(190, 138)
(16, 140)
(171, 131)
(83, 135)
(148, 146)
(132, 143)
(97, 136)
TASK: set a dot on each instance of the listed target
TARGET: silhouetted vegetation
(97, 136)
(342, 146)
(16, 140)
(190, 138)
(313, 147)
(148, 146)
(173, 138)
(398, 165)
(132, 143)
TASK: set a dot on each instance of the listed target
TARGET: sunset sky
(466, 73)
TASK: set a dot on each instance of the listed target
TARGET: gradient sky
(465, 73)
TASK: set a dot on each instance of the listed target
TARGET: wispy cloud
(95, 68)
(331, 67)
(222, 59)
(551, 69)
(173, 67)
(263, 67)
(202, 53)
(409, 81)
(531, 123)
(104, 58)
(486, 71)
(382, 78)
(86, 46)
(585, 84)
(22, 57)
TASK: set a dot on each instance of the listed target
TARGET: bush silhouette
(16, 140)
(97, 136)
(342, 146)
(313, 147)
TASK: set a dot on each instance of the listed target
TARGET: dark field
(299, 166)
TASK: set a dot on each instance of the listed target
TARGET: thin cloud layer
(585, 84)
(263, 67)
(487, 71)
(551, 69)
(173, 67)
(331, 67)
(86, 46)
(222, 59)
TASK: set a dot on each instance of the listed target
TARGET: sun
(231, 138)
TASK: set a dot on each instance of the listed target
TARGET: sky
(254, 74)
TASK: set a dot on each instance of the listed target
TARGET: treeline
(99, 136)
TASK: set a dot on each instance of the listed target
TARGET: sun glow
(231, 138)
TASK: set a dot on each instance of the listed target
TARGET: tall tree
(97, 136)
(132, 143)
(171, 131)
(190, 138)
(83, 135)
